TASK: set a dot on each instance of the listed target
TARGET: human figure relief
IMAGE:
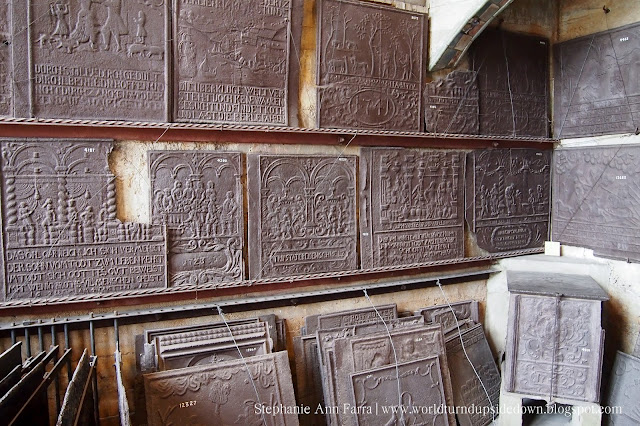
(49, 220)
(229, 210)
(85, 29)
(60, 10)
(87, 225)
(113, 26)
(27, 227)
(141, 31)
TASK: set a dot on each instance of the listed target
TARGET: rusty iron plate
(348, 318)
(468, 391)
(223, 393)
(308, 379)
(508, 198)
(596, 196)
(232, 61)
(554, 347)
(10, 379)
(303, 215)
(6, 60)
(61, 236)
(411, 206)
(441, 314)
(513, 83)
(624, 391)
(326, 339)
(451, 104)
(198, 195)
(596, 89)
(77, 406)
(191, 348)
(10, 359)
(355, 354)
(370, 62)
(420, 390)
(103, 60)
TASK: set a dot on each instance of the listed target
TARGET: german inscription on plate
(508, 198)
(370, 62)
(411, 207)
(596, 199)
(451, 104)
(198, 195)
(61, 236)
(304, 215)
(596, 88)
(512, 79)
(6, 104)
(98, 59)
(232, 60)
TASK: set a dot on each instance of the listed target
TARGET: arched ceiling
(455, 24)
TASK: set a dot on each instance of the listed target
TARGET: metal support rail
(244, 304)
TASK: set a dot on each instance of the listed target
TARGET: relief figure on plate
(369, 66)
(198, 196)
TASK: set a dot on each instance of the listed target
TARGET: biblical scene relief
(101, 59)
(369, 66)
(306, 220)
(198, 196)
(509, 191)
(411, 206)
(232, 61)
(61, 233)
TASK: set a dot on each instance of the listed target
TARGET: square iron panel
(596, 88)
(364, 353)
(478, 397)
(60, 233)
(513, 83)
(411, 206)
(451, 104)
(326, 339)
(554, 347)
(102, 60)
(596, 197)
(417, 385)
(624, 391)
(198, 196)
(232, 61)
(370, 62)
(230, 392)
(508, 198)
(303, 215)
